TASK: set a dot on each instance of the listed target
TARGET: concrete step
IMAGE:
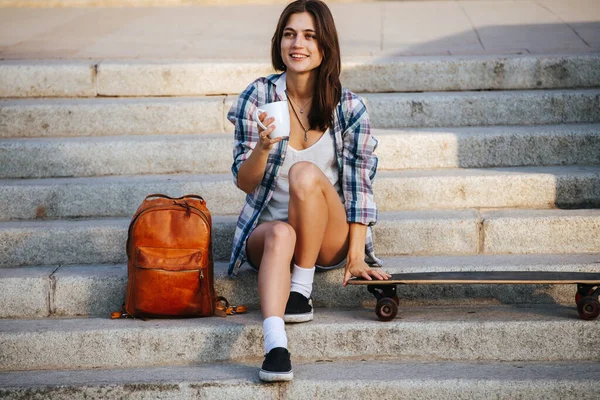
(34, 292)
(484, 108)
(154, 115)
(105, 116)
(126, 155)
(499, 333)
(331, 379)
(525, 187)
(124, 78)
(461, 232)
(470, 147)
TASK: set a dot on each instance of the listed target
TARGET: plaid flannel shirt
(354, 144)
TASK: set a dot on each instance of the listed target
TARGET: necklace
(301, 124)
(294, 101)
(297, 117)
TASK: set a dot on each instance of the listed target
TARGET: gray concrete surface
(103, 241)
(244, 31)
(400, 110)
(110, 116)
(120, 155)
(63, 242)
(82, 290)
(343, 380)
(530, 231)
(532, 187)
(89, 290)
(500, 333)
(433, 232)
(123, 78)
(25, 292)
(470, 147)
(525, 187)
(156, 115)
(47, 78)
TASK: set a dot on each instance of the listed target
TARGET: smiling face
(299, 46)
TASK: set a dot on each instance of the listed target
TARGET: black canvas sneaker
(298, 308)
(277, 366)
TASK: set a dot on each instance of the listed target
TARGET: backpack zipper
(196, 211)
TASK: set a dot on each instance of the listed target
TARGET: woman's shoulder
(258, 91)
(263, 82)
(351, 102)
(349, 94)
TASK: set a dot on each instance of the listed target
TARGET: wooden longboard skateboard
(588, 286)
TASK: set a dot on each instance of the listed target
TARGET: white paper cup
(278, 110)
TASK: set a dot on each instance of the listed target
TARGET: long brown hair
(328, 90)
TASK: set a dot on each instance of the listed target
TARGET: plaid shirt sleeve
(246, 130)
(359, 164)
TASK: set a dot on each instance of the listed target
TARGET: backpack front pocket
(169, 282)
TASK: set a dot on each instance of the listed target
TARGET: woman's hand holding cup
(271, 134)
(265, 142)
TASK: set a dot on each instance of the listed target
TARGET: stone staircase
(486, 163)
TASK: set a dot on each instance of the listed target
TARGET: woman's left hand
(360, 269)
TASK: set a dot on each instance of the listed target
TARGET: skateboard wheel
(588, 308)
(396, 299)
(386, 309)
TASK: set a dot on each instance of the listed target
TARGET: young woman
(310, 201)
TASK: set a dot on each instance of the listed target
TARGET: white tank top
(322, 154)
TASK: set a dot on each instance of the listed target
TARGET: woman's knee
(280, 236)
(304, 177)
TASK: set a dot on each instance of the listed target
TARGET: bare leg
(317, 216)
(271, 247)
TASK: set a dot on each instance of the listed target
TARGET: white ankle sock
(302, 280)
(274, 331)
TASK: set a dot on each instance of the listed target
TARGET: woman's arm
(360, 166)
(356, 265)
(356, 247)
(253, 168)
(251, 149)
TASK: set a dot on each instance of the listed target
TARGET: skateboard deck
(588, 286)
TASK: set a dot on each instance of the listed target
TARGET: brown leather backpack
(170, 264)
